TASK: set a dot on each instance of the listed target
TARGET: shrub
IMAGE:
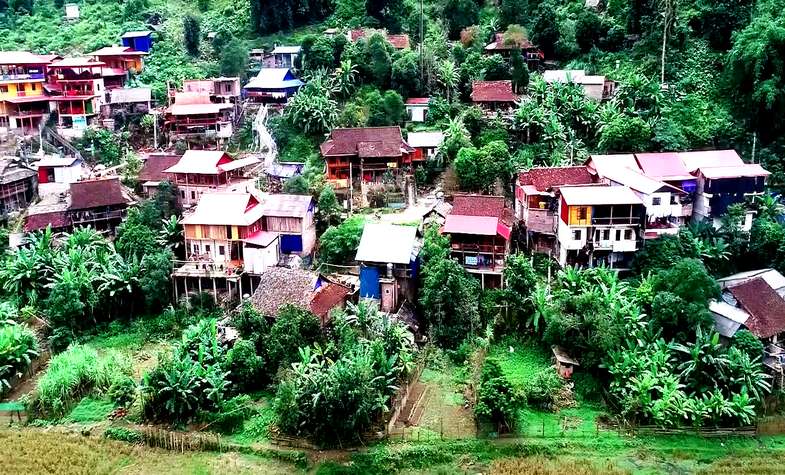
(123, 435)
(74, 373)
(18, 346)
(543, 388)
(246, 368)
(230, 416)
(189, 380)
(497, 399)
(748, 343)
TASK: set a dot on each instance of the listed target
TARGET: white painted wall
(416, 113)
(257, 259)
(69, 174)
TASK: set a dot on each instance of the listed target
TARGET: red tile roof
(355, 35)
(478, 205)
(399, 41)
(493, 91)
(153, 167)
(56, 219)
(418, 101)
(97, 193)
(365, 142)
(543, 179)
(328, 297)
(765, 306)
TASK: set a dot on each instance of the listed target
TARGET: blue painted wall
(142, 43)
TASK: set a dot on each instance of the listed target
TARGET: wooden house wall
(284, 225)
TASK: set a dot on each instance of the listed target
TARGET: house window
(193, 195)
(207, 248)
(576, 235)
(228, 232)
(222, 250)
(618, 234)
(582, 213)
(628, 235)
(3, 89)
(674, 200)
(656, 201)
(606, 235)
(182, 194)
(196, 248)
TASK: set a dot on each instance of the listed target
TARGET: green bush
(18, 346)
(189, 380)
(497, 399)
(230, 416)
(543, 388)
(245, 366)
(123, 435)
(74, 373)
(748, 343)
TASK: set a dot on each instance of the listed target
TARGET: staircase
(56, 140)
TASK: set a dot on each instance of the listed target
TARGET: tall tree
(191, 34)
(520, 72)
(234, 59)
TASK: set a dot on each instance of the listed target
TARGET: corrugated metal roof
(225, 208)
(130, 95)
(637, 181)
(493, 91)
(273, 78)
(21, 57)
(602, 164)
(204, 162)
(387, 243)
(663, 166)
(749, 170)
(287, 49)
(425, 139)
(474, 225)
(710, 158)
(284, 205)
(599, 195)
(136, 34)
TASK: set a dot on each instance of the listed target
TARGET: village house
(200, 171)
(128, 102)
(595, 87)
(531, 54)
(222, 90)
(494, 96)
(755, 301)
(723, 179)
(398, 42)
(291, 216)
(279, 286)
(365, 153)
(388, 258)
(223, 227)
(138, 40)
(23, 104)
(667, 207)
(17, 186)
(417, 109)
(426, 143)
(286, 56)
(599, 225)
(194, 117)
(479, 228)
(537, 202)
(152, 173)
(99, 203)
(60, 169)
(272, 86)
(76, 89)
(120, 62)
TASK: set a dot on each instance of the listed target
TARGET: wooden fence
(182, 441)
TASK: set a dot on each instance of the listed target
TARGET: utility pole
(667, 15)
(422, 43)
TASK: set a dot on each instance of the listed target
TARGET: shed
(138, 40)
(71, 11)
(565, 364)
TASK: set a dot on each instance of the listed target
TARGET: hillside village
(400, 227)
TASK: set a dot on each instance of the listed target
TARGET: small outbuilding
(565, 364)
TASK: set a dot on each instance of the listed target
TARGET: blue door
(369, 283)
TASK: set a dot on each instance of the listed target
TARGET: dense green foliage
(18, 347)
(338, 244)
(335, 392)
(76, 372)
